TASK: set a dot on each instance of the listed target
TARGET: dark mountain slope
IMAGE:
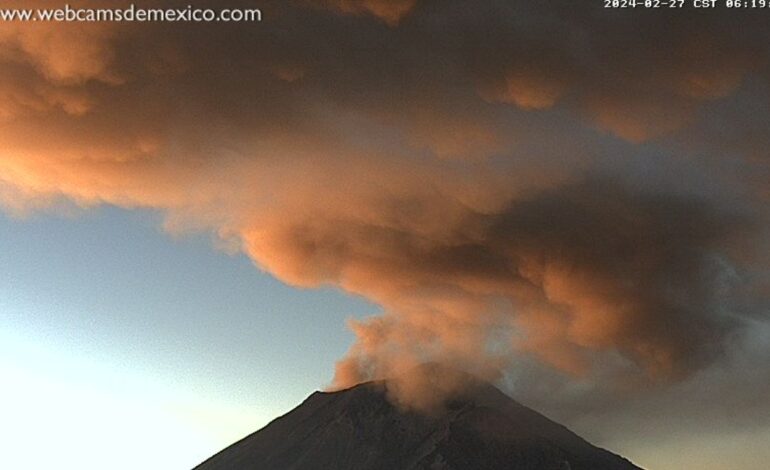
(359, 429)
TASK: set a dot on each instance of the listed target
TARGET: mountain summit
(361, 429)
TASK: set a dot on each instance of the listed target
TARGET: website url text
(132, 14)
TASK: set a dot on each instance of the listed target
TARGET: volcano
(360, 428)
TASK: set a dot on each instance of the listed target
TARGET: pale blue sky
(104, 312)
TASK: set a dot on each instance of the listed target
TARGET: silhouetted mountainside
(359, 429)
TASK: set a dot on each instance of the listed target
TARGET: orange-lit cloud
(390, 11)
(443, 167)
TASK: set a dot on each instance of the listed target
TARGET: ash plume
(511, 182)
